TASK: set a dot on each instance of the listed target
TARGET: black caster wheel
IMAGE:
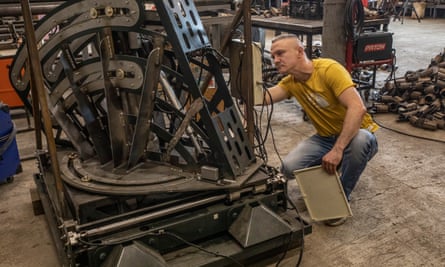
(10, 179)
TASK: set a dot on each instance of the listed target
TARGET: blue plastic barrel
(9, 155)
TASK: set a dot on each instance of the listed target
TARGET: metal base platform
(202, 229)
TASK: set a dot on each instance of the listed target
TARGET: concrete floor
(398, 205)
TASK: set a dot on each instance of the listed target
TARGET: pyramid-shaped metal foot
(134, 255)
(257, 224)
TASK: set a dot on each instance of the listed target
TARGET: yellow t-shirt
(318, 96)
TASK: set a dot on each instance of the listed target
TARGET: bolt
(93, 13)
(109, 11)
(120, 74)
(85, 179)
(102, 256)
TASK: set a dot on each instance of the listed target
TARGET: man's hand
(274, 94)
(331, 160)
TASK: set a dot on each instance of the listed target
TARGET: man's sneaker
(335, 222)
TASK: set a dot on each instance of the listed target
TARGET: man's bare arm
(274, 94)
(355, 110)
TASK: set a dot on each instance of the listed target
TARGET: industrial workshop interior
(138, 133)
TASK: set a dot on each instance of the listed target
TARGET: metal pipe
(36, 113)
(37, 77)
(175, 102)
(248, 70)
(14, 9)
(151, 216)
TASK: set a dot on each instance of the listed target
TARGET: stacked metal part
(418, 96)
(312, 9)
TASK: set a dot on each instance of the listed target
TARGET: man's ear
(301, 51)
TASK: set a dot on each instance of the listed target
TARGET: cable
(300, 256)
(259, 145)
(261, 148)
(275, 146)
(285, 250)
(392, 74)
(200, 248)
(354, 18)
(269, 128)
(406, 134)
(260, 138)
(101, 244)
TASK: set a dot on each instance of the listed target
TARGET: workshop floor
(398, 205)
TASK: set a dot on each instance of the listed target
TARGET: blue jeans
(355, 157)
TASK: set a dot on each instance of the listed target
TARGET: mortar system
(156, 166)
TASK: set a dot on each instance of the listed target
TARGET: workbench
(308, 28)
(304, 28)
(301, 27)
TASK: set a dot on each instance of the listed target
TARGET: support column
(334, 37)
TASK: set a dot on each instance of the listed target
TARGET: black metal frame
(155, 156)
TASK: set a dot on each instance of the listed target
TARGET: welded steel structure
(158, 162)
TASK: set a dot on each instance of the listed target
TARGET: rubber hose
(354, 17)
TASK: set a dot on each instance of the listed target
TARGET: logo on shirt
(319, 100)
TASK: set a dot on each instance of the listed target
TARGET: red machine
(365, 48)
(7, 92)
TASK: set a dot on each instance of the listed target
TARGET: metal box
(372, 46)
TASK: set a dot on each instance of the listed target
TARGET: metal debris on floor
(418, 97)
